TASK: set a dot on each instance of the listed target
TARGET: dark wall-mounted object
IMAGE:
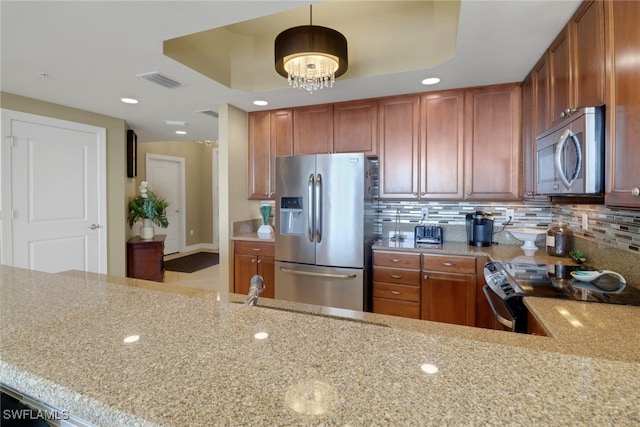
(132, 154)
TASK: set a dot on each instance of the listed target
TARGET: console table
(145, 258)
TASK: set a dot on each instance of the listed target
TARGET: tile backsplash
(615, 227)
(620, 228)
(403, 216)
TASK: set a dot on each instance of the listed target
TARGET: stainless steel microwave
(570, 156)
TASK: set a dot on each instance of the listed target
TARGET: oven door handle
(566, 136)
(506, 322)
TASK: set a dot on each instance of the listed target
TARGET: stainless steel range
(508, 283)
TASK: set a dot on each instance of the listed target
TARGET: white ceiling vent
(208, 113)
(158, 78)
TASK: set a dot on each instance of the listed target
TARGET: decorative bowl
(529, 237)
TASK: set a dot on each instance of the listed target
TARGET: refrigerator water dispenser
(291, 215)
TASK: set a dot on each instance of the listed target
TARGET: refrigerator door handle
(307, 273)
(310, 231)
(318, 209)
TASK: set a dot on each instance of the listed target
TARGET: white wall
(234, 206)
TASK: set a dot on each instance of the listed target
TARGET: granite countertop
(248, 231)
(198, 360)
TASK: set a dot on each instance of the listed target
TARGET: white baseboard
(200, 247)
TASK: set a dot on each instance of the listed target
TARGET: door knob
(94, 226)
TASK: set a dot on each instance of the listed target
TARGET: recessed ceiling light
(129, 100)
(175, 122)
(181, 132)
(431, 81)
(260, 102)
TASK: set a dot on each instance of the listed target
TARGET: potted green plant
(577, 256)
(265, 231)
(149, 208)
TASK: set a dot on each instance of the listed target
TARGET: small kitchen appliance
(479, 229)
(427, 234)
(570, 157)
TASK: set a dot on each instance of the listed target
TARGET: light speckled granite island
(200, 360)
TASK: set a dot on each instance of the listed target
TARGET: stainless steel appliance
(570, 156)
(427, 234)
(509, 282)
(479, 229)
(324, 229)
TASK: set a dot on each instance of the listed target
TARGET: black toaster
(427, 234)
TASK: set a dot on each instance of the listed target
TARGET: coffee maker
(479, 228)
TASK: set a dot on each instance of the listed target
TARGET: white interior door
(55, 174)
(165, 175)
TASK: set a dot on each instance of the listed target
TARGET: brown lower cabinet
(145, 258)
(396, 284)
(449, 289)
(440, 288)
(534, 327)
(251, 258)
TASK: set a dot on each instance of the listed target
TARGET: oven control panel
(499, 280)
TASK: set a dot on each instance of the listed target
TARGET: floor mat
(193, 262)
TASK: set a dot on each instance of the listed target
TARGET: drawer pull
(256, 249)
(396, 260)
(448, 264)
(396, 276)
(396, 292)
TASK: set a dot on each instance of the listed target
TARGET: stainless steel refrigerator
(324, 229)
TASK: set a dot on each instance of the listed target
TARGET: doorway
(54, 215)
(166, 177)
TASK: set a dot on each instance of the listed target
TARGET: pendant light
(310, 56)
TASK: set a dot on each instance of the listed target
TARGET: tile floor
(207, 278)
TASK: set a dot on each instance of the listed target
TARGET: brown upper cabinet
(540, 80)
(398, 132)
(623, 104)
(529, 133)
(530, 128)
(576, 64)
(441, 145)
(587, 28)
(313, 129)
(355, 127)
(270, 135)
(421, 146)
(560, 99)
(346, 127)
(492, 135)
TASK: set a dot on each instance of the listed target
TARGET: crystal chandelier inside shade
(311, 56)
(311, 70)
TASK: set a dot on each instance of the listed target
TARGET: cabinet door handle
(425, 277)
(259, 261)
(253, 260)
(396, 292)
(635, 191)
(448, 264)
(396, 276)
